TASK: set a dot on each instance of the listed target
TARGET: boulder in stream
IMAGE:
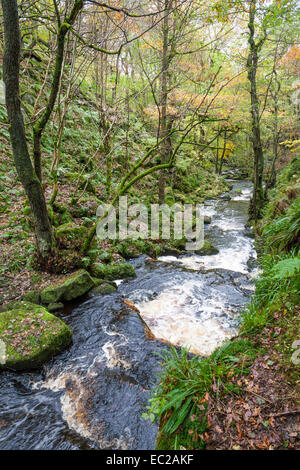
(207, 249)
(30, 335)
(207, 219)
(103, 288)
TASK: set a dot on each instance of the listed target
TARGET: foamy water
(172, 316)
(186, 315)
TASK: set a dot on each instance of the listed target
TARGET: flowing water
(93, 394)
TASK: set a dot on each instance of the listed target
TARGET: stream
(92, 395)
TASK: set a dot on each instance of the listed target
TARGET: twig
(292, 412)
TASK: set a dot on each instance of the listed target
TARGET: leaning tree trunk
(21, 155)
(258, 193)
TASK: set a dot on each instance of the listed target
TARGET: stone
(71, 232)
(32, 296)
(225, 197)
(207, 249)
(105, 257)
(112, 271)
(23, 304)
(31, 336)
(207, 219)
(57, 307)
(78, 284)
(103, 289)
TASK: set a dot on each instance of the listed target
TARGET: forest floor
(266, 414)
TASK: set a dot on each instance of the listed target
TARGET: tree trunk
(258, 196)
(272, 178)
(164, 101)
(223, 153)
(21, 155)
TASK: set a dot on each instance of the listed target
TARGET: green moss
(75, 286)
(104, 288)
(55, 307)
(70, 232)
(113, 271)
(27, 210)
(207, 249)
(24, 305)
(32, 296)
(52, 294)
(105, 257)
(31, 336)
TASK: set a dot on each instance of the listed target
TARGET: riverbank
(246, 395)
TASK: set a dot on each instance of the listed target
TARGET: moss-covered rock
(52, 294)
(75, 286)
(23, 304)
(179, 244)
(103, 289)
(225, 197)
(207, 219)
(167, 250)
(57, 307)
(131, 248)
(70, 232)
(207, 249)
(112, 271)
(31, 336)
(105, 257)
(32, 296)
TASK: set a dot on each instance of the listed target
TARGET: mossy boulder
(75, 286)
(131, 248)
(167, 250)
(179, 244)
(225, 197)
(112, 271)
(207, 249)
(105, 257)
(57, 307)
(30, 336)
(103, 288)
(207, 219)
(24, 305)
(32, 296)
(71, 233)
